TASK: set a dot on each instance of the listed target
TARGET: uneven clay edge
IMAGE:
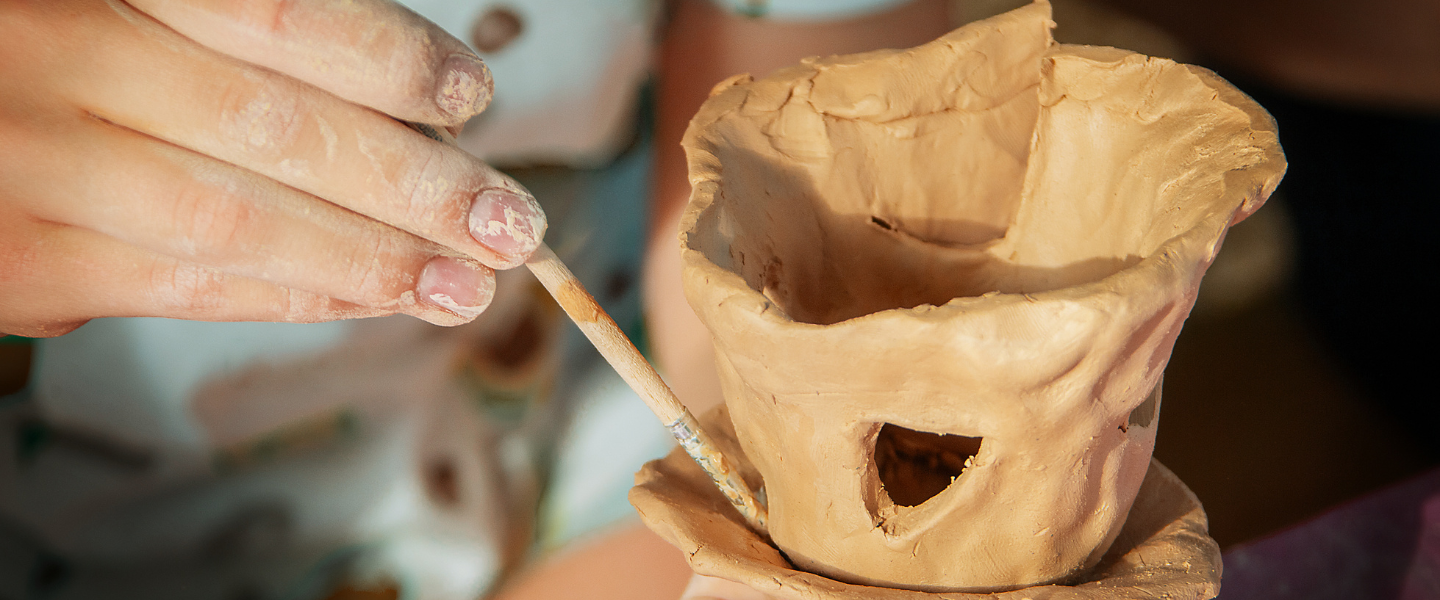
(723, 286)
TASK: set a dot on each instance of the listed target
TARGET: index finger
(371, 52)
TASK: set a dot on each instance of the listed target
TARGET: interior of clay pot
(834, 217)
(915, 466)
(827, 256)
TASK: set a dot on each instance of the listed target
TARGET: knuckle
(210, 222)
(186, 289)
(430, 191)
(262, 114)
(375, 271)
(271, 17)
(280, 20)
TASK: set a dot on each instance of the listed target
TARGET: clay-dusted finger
(305, 138)
(81, 275)
(173, 202)
(372, 52)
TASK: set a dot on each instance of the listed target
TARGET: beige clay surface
(1163, 551)
(943, 284)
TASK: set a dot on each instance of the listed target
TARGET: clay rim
(1164, 265)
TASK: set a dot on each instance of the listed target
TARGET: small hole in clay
(914, 466)
(882, 223)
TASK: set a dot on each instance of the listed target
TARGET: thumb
(703, 587)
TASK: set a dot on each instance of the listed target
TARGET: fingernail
(507, 222)
(456, 286)
(465, 86)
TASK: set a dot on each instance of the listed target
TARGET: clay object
(1163, 551)
(943, 284)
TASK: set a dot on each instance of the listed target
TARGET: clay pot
(943, 284)
(1163, 551)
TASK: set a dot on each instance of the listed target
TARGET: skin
(647, 568)
(231, 160)
(702, 587)
(605, 568)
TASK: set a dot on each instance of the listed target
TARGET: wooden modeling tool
(636, 371)
(622, 355)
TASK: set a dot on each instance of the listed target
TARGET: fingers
(372, 52)
(286, 130)
(53, 272)
(197, 211)
(150, 176)
(703, 587)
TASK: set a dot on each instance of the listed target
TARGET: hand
(713, 588)
(238, 160)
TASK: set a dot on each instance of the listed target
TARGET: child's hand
(240, 160)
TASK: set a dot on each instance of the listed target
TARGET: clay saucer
(1163, 551)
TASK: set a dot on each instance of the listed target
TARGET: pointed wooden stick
(636, 371)
(606, 336)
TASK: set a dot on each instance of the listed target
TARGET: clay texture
(1163, 551)
(943, 284)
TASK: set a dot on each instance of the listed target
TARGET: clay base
(1164, 550)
